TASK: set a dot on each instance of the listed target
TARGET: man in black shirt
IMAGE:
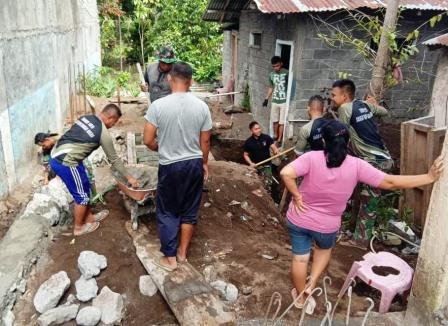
(257, 147)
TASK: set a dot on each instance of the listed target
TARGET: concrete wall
(39, 41)
(316, 65)
(226, 57)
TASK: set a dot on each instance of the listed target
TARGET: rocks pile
(107, 307)
(52, 203)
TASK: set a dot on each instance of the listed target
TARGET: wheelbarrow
(139, 202)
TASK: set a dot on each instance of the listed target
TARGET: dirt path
(238, 223)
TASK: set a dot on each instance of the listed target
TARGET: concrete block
(17, 248)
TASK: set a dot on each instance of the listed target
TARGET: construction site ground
(238, 224)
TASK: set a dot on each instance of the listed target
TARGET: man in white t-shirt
(182, 124)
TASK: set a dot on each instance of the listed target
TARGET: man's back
(366, 140)
(179, 118)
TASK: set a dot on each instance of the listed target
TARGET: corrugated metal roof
(441, 40)
(229, 10)
(296, 6)
(224, 10)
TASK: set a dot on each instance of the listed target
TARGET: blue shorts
(301, 239)
(76, 180)
(179, 193)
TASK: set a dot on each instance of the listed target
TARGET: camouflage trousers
(266, 174)
(366, 220)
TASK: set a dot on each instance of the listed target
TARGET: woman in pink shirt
(314, 215)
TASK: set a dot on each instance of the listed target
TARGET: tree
(143, 13)
(382, 55)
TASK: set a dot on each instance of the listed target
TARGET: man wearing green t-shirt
(278, 81)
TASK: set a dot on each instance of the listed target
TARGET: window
(255, 39)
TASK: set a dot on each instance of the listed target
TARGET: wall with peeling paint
(39, 41)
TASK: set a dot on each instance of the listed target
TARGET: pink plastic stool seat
(389, 285)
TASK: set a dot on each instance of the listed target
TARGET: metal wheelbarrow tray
(139, 202)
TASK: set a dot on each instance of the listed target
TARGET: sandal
(294, 298)
(311, 305)
(158, 263)
(101, 215)
(87, 228)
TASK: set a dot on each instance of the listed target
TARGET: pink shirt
(325, 191)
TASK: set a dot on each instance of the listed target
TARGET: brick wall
(316, 65)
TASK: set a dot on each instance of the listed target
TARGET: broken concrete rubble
(228, 290)
(58, 315)
(86, 289)
(90, 263)
(17, 250)
(111, 305)
(51, 291)
(88, 316)
(45, 206)
(8, 318)
(147, 286)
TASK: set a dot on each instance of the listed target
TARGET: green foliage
(401, 47)
(103, 82)
(153, 23)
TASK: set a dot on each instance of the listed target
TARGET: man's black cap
(41, 136)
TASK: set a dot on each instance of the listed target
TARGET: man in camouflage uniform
(156, 75)
(366, 143)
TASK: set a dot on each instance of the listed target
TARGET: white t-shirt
(179, 118)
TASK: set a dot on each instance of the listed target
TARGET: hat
(166, 54)
(41, 136)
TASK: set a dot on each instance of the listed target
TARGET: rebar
(372, 305)
(275, 298)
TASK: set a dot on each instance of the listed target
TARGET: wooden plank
(421, 143)
(130, 143)
(191, 299)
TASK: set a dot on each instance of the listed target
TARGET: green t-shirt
(279, 83)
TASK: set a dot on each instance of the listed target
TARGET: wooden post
(382, 55)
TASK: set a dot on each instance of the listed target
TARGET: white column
(429, 292)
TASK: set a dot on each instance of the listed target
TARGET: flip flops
(309, 307)
(87, 228)
(166, 268)
(101, 215)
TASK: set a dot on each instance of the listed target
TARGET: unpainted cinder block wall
(39, 41)
(317, 65)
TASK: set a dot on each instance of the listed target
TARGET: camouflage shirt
(158, 82)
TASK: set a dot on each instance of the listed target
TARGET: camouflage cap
(166, 54)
